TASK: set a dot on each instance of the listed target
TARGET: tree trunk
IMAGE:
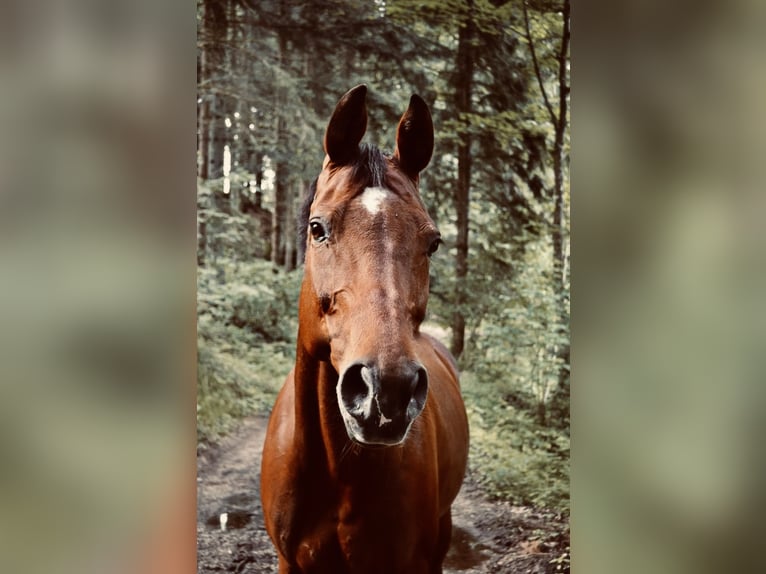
(201, 242)
(203, 139)
(216, 32)
(558, 233)
(300, 247)
(290, 233)
(559, 263)
(559, 123)
(560, 126)
(540, 414)
(256, 167)
(279, 217)
(282, 195)
(236, 105)
(463, 91)
(561, 393)
(206, 33)
(559, 219)
(216, 137)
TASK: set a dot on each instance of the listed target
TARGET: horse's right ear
(347, 126)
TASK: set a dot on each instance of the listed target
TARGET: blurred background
(96, 285)
(670, 315)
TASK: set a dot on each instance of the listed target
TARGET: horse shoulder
(448, 411)
(281, 427)
(443, 355)
(276, 479)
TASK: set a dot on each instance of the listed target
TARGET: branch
(554, 119)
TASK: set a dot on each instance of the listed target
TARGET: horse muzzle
(379, 407)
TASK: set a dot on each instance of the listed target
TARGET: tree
(282, 191)
(464, 66)
(559, 122)
(215, 28)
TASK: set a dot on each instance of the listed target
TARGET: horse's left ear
(415, 138)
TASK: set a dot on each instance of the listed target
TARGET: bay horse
(367, 444)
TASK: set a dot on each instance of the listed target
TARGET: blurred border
(668, 185)
(97, 286)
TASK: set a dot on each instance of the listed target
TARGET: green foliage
(517, 400)
(254, 297)
(513, 457)
(522, 331)
(233, 383)
(246, 325)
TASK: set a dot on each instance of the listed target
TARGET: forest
(496, 77)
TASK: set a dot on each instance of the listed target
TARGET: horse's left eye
(318, 231)
(434, 246)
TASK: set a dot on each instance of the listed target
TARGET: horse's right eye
(318, 231)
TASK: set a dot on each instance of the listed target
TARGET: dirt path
(487, 537)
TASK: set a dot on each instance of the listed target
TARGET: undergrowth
(513, 457)
(247, 319)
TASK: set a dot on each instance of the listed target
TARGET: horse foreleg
(443, 542)
(285, 568)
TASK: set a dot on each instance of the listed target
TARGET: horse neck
(320, 436)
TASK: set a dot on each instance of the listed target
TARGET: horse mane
(368, 170)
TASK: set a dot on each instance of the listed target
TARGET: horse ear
(415, 138)
(347, 126)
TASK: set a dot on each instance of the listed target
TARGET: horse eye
(434, 246)
(318, 231)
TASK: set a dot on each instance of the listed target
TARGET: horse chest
(374, 546)
(361, 536)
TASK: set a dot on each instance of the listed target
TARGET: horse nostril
(356, 388)
(390, 401)
(419, 391)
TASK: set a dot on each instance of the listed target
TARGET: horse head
(366, 279)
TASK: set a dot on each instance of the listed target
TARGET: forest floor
(488, 537)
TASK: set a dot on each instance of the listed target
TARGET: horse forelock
(370, 168)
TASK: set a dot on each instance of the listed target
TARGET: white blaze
(373, 197)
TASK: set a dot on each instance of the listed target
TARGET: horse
(367, 444)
